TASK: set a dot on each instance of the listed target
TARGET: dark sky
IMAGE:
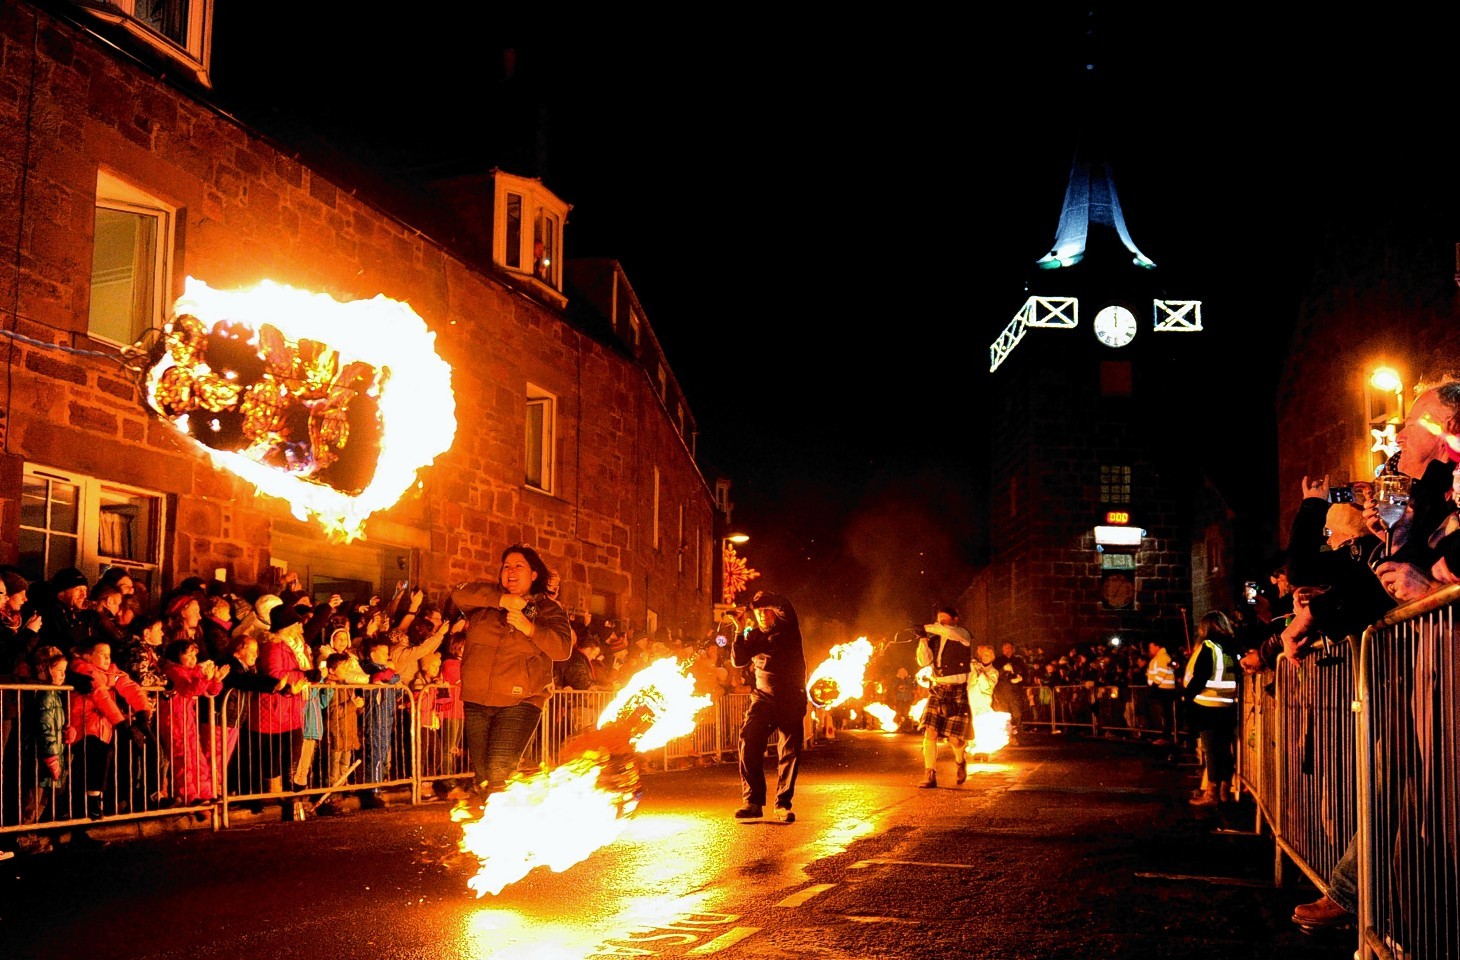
(829, 220)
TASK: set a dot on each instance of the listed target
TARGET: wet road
(1064, 847)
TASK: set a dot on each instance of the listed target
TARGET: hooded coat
(779, 660)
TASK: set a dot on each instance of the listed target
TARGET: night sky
(828, 221)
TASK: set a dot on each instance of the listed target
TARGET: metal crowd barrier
(1409, 783)
(209, 756)
(1134, 710)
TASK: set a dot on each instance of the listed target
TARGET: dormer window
(529, 235)
(181, 30)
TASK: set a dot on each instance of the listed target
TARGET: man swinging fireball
(946, 714)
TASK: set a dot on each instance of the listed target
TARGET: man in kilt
(945, 648)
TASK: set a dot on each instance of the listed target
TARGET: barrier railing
(1409, 783)
(1136, 710)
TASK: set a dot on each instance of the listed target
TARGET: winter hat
(67, 578)
(14, 582)
(265, 605)
(283, 616)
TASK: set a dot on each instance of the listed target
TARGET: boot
(1207, 798)
(930, 780)
(960, 772)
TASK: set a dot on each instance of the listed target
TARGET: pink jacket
(95, 714)
(277, 712)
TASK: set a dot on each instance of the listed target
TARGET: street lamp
(733, 570)
(1387, 417)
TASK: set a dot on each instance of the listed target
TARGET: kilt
(947, 711)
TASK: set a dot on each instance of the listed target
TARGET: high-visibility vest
(1219, 691)
(1160, 672)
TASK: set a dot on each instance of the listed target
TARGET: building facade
(122, 177)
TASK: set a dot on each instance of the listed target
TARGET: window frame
(195, 52)
(114, 193)
(89, 558)
(547, 439)
(539, 212)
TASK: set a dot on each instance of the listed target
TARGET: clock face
(1115, 326)
(1117, 590)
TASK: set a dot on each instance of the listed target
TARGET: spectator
(178, 729)
(342, 724)
(580, 670)
(66, 619)
(382, 700)
(44, 757)
(95, 716)
(19, 633)
(277, 720)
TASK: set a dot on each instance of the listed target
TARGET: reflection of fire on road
(556, 818)
(885, 716)
(331, 406)
(839, 677)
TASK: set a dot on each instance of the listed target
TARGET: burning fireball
(331, 406)
(885, 716)
(557, 818)
(839, 677)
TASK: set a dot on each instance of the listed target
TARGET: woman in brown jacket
(514, 634)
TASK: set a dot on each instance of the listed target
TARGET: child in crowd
(95, 716)
(44, 762)
(342, 723)
(193, 780)
(381, 702)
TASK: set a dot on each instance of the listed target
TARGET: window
(131, 253)
(661, 376)
(634, 325)
(529, 233)
(655, 525)
(71, 520)
(540, 431)
(683, 544)
(179, 29)
(1114, 484)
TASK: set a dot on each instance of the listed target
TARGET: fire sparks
(885, 716)
(557, 818)
(331, 406)
(839, 677)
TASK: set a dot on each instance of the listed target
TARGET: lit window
(541, 415)
(1114, 484)
(529, 233)
(71, 520)
(130, 255)
(179, 29)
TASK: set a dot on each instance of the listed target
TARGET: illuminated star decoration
(1385, 441)
(737, 573)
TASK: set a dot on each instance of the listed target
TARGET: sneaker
(785, 815)
(930, 779)
(751, 811)
(1322, 912)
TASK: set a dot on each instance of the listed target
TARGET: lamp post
(1382, 424)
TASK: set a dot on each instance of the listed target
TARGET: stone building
(123, 174)
(1102, 525)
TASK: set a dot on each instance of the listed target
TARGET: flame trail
(990, 732)
(557, 818)
(839, 677)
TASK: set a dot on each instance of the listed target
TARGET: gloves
(53, 765)
(141, 729)
(139, 736)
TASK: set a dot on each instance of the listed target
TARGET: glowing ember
(990, 733)
(839, 677)
(558, 818)
(331, 406)
(885, 716)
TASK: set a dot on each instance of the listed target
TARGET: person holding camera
(768, 636)
(946, 672)
(514, 634)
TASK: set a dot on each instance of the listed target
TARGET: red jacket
(277, 712)
(95, 714)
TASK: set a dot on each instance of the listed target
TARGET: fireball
(990, 732)
(839, 677)
(331, 406)
(885, 716)
(557, 818)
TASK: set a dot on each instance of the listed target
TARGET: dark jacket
(1355, 597)
(780, 663)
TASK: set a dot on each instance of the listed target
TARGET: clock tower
(1102, 527)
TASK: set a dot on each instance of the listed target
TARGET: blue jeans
(495, 739)
(1343, 882)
